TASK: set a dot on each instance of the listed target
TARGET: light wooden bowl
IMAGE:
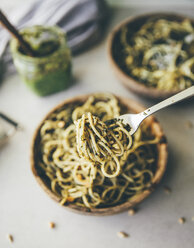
(128, 81)
(131, 106)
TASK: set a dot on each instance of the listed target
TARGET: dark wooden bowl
(156, 130)
(128, 81)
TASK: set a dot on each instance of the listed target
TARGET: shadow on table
(171, 166)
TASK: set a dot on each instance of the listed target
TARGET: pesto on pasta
(159, 54)
(102, 143)
(91, 164)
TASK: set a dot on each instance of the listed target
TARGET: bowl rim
(128, 81)
(161, 160)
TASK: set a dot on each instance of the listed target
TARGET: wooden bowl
(128, 81)
(131, 106)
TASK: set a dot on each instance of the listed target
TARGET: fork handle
(169, 101)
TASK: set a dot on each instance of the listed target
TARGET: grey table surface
(25, 210)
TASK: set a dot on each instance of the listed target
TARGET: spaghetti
(106, 166)
(101, 143)
(159, 54)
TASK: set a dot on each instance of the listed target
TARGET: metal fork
(134, 120)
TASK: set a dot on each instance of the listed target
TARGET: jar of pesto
(50, 70)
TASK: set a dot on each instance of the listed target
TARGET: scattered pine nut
(181, 220)
(167, 190)
(131, 211)
(80, 177)
(61, 124)
(189, 124)
(51, 224)
(10, 237)
(122, 235)
(70, 199)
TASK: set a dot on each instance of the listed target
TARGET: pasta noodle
(106, 166)
(101, 143)
(159, 54)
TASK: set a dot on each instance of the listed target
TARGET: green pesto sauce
(41, 39)
(55, 82)
(50, 70)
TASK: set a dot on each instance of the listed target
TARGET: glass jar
(50, 70)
